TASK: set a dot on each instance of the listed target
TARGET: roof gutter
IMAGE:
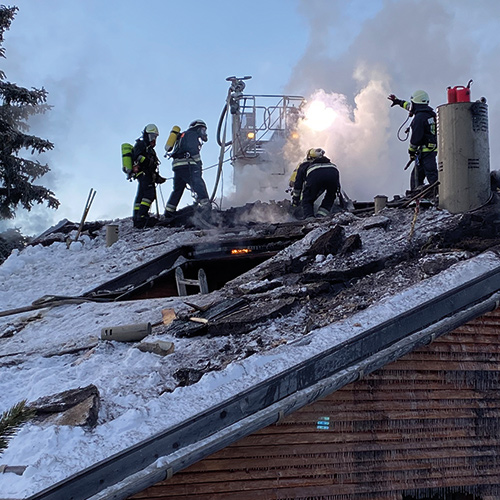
(266, 402)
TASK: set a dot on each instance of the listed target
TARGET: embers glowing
(240, 251)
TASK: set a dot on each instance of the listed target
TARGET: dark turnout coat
(314, 177)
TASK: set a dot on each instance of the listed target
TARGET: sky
(112, 67)
(142, 397)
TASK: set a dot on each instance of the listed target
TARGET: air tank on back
(464, 156)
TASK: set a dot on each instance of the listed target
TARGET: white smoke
(394, 46)
(355, 137)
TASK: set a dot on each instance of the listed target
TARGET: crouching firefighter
(186, 166)
(145, 170)
(423, 142)
(315, 176)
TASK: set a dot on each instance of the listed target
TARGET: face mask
(203, 134)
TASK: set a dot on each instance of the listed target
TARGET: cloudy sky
(113, 66)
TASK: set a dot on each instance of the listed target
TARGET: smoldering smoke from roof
(403, 46)
(355, 137)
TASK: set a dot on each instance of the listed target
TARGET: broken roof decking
(295, 271)
(336, 355)
(145, 275)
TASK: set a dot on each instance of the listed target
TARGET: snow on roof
(139, 393)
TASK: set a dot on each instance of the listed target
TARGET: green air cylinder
(126, 333)
(127, 157)
(174, 133)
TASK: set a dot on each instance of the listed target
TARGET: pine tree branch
(12, 420)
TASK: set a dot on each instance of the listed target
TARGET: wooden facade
(424, 427)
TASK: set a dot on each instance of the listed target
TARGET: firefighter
(423, 141)
(316, 175)
(145, 169)
(186, 166)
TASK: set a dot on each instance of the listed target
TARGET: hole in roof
(189, 270)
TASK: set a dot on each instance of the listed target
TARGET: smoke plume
(399, 46)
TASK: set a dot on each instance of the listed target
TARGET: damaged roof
(346, 295)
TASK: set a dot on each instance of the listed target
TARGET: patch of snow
(137, 388)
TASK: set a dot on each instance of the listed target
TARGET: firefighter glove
(295, 201)
(160, 179)
(395, 100)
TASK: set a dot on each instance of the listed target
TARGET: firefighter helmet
(420, 97)
(151, 129)
(315, 153)
(197, 123)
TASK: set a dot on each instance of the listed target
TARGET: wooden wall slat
(428, 420)
(342, 460)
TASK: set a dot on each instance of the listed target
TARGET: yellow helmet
(315, 153)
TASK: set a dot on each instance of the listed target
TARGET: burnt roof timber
(298, 379)
(177, 461)
(122, 286)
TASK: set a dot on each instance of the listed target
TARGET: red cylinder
(452, 94)
(463, 94)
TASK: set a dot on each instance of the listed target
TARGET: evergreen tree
(17, 174)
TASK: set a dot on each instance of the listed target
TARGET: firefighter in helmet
(186, 166)
(315, 175)
(145, 170)
(423, 141)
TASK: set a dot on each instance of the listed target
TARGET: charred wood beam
(300, 377)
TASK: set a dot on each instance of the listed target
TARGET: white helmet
(197, 123)
(420, 97)
(151, 129)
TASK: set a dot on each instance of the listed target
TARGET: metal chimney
(464, 156)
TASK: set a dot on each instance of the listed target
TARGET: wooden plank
(263, 469)
(364, 395)
(379, 384)
(467, 337)
(298, 486)
(404, 415)
(327, 437)
(240, 450)
(415, 425)
(460, 357)
(344, 460)
(452, 376)
(397, 405)
(415, 405)
(460, 347)
(438, 365)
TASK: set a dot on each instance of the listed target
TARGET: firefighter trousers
(187, 175)
(146, 194)
(317, 182)
(425, 168)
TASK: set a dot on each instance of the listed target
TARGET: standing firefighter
(186, 166)
(145, 170)
(316, 175)
(423, 142)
